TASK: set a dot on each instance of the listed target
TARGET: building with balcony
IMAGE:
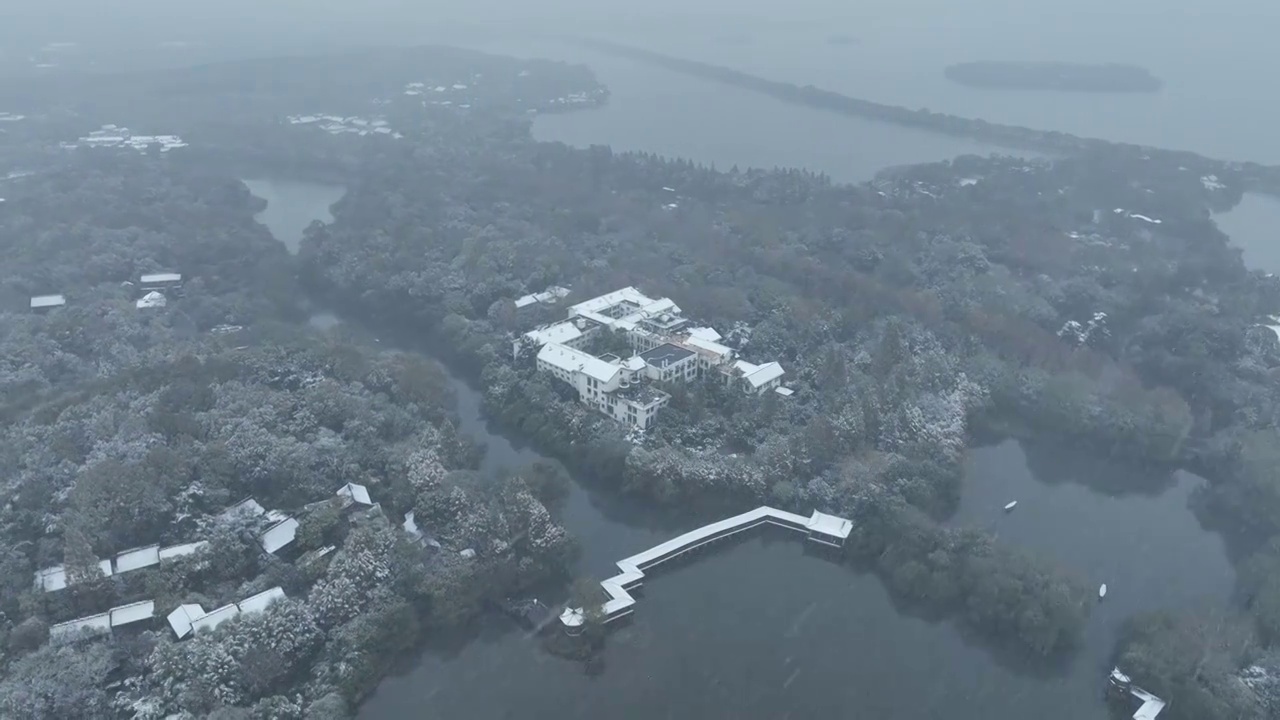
(665, 350)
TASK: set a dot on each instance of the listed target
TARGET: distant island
(1069, 77)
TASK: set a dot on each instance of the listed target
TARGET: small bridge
(819, 527)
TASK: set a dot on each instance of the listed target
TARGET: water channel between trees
(802, 636)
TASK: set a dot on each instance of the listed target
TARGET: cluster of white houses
(664, 349)
(107, 621)
(187, 619)
(55, 578)
(151, 286)
(280, 533)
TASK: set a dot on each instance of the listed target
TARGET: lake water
(292, 206)
(760, 629)
(1254, 227)
(664, 112)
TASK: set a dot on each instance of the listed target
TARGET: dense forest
(1088, 299)
(129, 426)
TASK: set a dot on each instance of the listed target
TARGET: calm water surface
(1254, 227)
(673, 115)
(292, 206)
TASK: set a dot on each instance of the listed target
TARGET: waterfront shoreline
(1250, 176)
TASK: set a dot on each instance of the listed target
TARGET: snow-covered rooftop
(160, 278)
(138, 558)
(47, 301)
(52, 578)
(213, 619)
(132, 613)
(705, 333)
(182, 618)
(762, 374)
(260, 602)
(551, 294)
(152, 299)
(709, 346)
(348, 125)
(114, 136)
(829, 525)
(115, 617)
(102, 622)
(410, 525)
(624, 309)
(561, 332)
(247, 506)
(573, 360)
(279, 535)
(356, 493)
(174, 551)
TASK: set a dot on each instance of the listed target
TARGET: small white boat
(1011, 506)
(1102, 591)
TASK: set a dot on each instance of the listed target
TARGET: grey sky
(1144, 22)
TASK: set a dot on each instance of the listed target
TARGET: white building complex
(664, 349)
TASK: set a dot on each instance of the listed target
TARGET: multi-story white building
(664, 351)
(613, 386)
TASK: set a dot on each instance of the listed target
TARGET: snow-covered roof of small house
(102, 621)
(260, 602)
(47, 301)
(279, 535)
(765, 373)
(356, 493)
(55, 578)
(160, 278)
(174, 551)
(51, 578)
(151, 300)
(410, 525)
(182, 618)
(132, 613)
(829, 525)
(561, 332)
(215, 618)
(138, 558)
(247, 505)
(705, 333)
(784, 391)
(709, 346)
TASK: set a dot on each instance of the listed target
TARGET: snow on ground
(1136, 216)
